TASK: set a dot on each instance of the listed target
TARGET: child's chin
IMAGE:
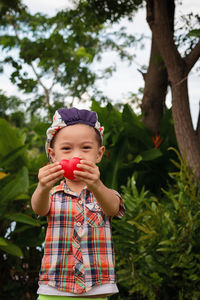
(74, 180)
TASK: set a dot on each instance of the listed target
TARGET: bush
(21, 234)
(157, 242)
(131, 146)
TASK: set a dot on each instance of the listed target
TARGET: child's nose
(77, 154)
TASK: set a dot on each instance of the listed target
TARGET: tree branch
(54, 80)
(46, 91)
(192, 57)
(160, 15)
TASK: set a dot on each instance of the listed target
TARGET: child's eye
(86, 147)
(66, 148)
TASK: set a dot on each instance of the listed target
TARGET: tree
(75, 37)
(52, 55)
(48, 55)
(9, 6)
(178, 68)
(167, 67)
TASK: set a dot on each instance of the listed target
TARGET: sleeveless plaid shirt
(78, 252)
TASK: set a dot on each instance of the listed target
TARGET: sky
(127, 78)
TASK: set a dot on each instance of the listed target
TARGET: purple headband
(69, 116)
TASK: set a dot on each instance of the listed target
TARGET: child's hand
(90, 173)
(49, 175)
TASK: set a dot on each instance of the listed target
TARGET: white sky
(127, 78)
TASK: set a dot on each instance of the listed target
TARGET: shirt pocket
(94, 215)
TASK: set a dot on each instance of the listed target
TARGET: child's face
(77, 140)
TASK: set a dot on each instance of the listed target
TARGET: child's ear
(51, 154)
(100, 153)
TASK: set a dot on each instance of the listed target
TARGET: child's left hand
(90, 173)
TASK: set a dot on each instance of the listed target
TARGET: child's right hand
(49, 175)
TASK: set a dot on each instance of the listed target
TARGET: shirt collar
(63, 187)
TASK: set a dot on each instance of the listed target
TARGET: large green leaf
(134, 127)
(150, 154)
(12, 249)
(13, 189)
(12, 149)
(11, 156)
(3, 242)
(10, 138)
(23, 218)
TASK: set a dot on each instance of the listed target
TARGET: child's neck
(75, 186)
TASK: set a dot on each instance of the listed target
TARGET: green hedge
(158, 241)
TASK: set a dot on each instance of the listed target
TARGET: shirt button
(80, 202)
(78, 224)
(96, 206)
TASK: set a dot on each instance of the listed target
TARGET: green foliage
(111, 9)
(160, 237)
(12, 148)
(20, 233)
(51, 52)
(10, 109)
(8, 6)
(129, 147)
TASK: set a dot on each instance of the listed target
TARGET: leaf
(177, 153)
(140, 227)
(166, 249)
(23, 218)
(138, 159)
(178, 165)
(11, 156)
(151, 154)
(194, 32)
(12, 249)
(9, 138)
(148, 155)
(134, 127)
(3, 242)
(13, 189)
(2, 175)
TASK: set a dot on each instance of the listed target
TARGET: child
(78, 254)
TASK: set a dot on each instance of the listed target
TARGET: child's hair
(70, 116)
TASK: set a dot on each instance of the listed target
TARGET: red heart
(69, 166)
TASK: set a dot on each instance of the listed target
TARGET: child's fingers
(53, 180)
(85, 175)
(49, 169)
(87, 166)
(86, 162)
(50, 174)
(50, 180)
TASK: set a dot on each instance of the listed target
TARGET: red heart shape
(69, 166)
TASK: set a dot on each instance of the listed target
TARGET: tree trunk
(187, 138)
(178, 69)
(156, 78)
(156, 82)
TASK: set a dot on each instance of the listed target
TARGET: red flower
(157, 140)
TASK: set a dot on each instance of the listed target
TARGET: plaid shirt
(78, 251)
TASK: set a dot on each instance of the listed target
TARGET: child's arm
(47, 176)
(106, 198)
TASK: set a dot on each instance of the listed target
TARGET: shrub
(157, 242)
